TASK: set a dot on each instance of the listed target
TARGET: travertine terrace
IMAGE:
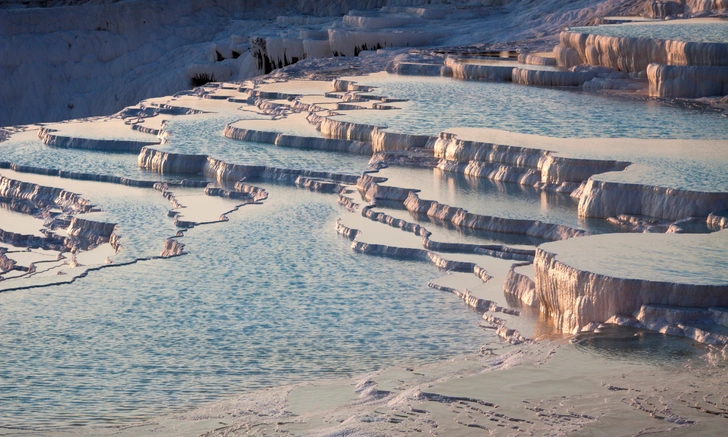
(363, 217)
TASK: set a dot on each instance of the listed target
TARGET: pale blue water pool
(680, 30)
(437, 104)
(205, 136)
(271, 297)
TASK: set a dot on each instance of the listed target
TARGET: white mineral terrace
(363, 217)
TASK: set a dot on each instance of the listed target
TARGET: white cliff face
(608, 199)
(577, 288)
(668, 81)
(635, 54)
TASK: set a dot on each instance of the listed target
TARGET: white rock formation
(574, 296)
(669, 81)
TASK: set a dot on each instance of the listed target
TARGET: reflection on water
(271, 297)
(499, 199)
(638, 346)
(204, 136)
(437, 104)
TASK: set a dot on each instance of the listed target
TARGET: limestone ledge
(609, 199)
(416, 158)
(534, 59)
(94, 232)
(462, 218)
(221, 171)
(717, 220)
(128, 146)
(494, 250)
(523, 165)
(380, 139)
(490, 73)
(168, 162)
(668, 81)
(49, 242)
(635, 54)
(95, 177)
(418, 69)
(420, 255)
(341, 85)
(346, 231)
(44, 197)
(348, 203)
(370, 189)
(519, 289)
(574, 298)
(240, 190)
(479, 304)
(309, 143)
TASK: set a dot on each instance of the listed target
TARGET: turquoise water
(273, 296)
(715, 32)
(437, 104)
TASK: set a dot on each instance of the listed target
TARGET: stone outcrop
(168, 162)
(462, 218)
(573, 298)
(668, 81)
(43, 196)
(717, 220)
(51, 139)
(172, 248)
(308, 143)
(519, 289)
(635, 54)
(420, 255)
(91, 229)
(609, 199)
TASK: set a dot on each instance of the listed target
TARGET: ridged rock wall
(522, 165)
(94, 232)
(519, 289)
(635, 54)
(574, 298)
(49, 139)
(609, 199)
(223, 171)
(370, 189)
(490, 73)
(463, 218)
(669, 81)
(308, 143)
(43, 196)
(167, 162)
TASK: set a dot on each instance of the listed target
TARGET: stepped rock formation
(574, 298)
(687, 81)
(111, 145)
(462, 218)
(309, 143)
(519, 289)
(609, 199)
(673, 68)
(43, 196)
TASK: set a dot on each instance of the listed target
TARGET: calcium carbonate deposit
(363, 217)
